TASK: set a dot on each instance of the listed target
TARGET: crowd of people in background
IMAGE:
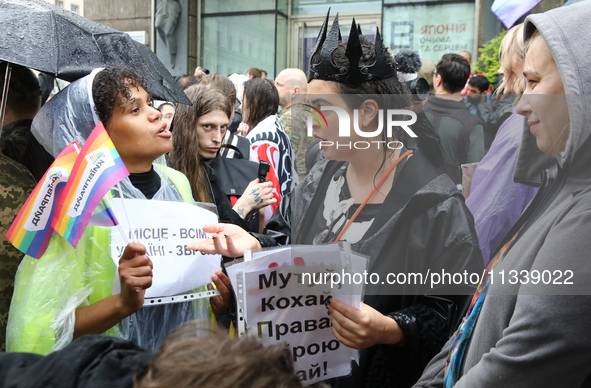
(497, 180)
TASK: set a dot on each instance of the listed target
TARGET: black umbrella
(44, 37)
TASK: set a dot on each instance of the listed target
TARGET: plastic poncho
(48, 291)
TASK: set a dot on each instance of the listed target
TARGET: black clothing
(224, 206)
(146, 182)
(460, 132)
(422, 225)
(18, 143)
(93, 361)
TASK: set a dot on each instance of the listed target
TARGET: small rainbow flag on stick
(31, 230)
(98, 167)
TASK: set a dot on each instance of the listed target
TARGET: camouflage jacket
(18, 143)
(16, 183)
(293, 120)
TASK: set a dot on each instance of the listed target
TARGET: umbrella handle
(5, 93)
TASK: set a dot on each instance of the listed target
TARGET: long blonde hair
(512, 44)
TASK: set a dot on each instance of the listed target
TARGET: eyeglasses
(433, 73)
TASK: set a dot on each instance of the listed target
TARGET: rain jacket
(422, 225)
(495, 200)
(49, 290)
(537, 335)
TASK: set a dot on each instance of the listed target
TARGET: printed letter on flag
(98, 168)
(31, 230)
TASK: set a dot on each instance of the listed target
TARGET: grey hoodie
(540, 335)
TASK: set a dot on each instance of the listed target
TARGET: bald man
(291, 85)
(466, 55)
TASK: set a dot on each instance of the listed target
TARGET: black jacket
(461, 134)
(93, 361)
(422, 226)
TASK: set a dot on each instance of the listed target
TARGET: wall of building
(128, 15)
(233, 35)
(71, 5)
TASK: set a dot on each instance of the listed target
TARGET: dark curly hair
(112, 87)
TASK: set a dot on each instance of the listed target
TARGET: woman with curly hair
(68, 292)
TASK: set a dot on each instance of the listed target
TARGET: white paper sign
(165, 228)
(280, 308)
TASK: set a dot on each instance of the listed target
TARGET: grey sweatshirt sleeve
(547, 342)
(539, 349)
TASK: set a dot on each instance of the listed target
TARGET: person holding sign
(397, 209)
(68, 291)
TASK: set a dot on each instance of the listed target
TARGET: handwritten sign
(165, 229)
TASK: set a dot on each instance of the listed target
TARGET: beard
(284, 100)
(474, 98)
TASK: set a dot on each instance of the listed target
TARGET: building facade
(231, 36)
(76, 6)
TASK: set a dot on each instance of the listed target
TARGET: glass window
(282, 6)
(74, 8)
(253, 38)
(432, 30)
(281, 49)
(320, 7)
(217, 6)
(59, 4)
(414, 1)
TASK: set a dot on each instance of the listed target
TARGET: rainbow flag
(103, 215)
(31, 230)
(98, 167)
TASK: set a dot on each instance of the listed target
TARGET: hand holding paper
(227, 240)
(221, 304)
(135, 275)
(359, 329)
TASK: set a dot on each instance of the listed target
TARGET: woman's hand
(359, 329)
(223, 303)
(135, 276)
(243, 129)
(227, 240)
(257, 195)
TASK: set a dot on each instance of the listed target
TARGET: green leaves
(488, 58)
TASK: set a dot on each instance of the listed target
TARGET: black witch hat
(354, 74)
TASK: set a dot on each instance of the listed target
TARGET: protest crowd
(159, 237)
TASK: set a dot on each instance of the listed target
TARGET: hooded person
(68, 291)
(532, 330)
(416, 222)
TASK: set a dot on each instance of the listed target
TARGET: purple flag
(509, 11)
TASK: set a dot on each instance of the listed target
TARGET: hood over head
(565, 31)
(68, 116)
